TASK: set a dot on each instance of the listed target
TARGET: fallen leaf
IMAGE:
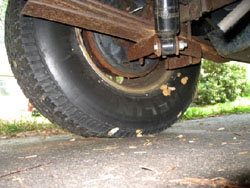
(28, 157)
(221, 170)
(147, 144)
(196, 181)
(169, 169)
(107, 148)
(149, 179)
(111, 147)
(138, 133)
(237, 143)
(178, 74)
(146, 168)
(237, 134)
(172, 88)
(132, 147)
(221, 129)
(113, 131)
(184, 80)
(140, 152)
(150, 135)
(180, 136)
(166, 91)
(179, 115)
(15, 64)
(243, 153)
(163, 87)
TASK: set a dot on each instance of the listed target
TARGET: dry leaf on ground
(146, 168)
(107, 148)
(27, 157)
(243, 153)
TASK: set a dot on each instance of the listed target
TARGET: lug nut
(182, 45)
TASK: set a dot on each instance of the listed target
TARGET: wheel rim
(109, 54)
(139, 85)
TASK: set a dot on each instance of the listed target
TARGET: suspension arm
(91, 15)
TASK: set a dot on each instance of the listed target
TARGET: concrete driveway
(212, 152)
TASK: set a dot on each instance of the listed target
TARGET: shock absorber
(167, 26)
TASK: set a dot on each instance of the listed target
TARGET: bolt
(156, 47)
(182, 45)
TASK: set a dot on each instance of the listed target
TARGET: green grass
(12, 128)
(240, 105)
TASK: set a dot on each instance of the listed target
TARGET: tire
(57, 77)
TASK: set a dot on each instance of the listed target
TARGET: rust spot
(166, 91)
(179, 115)
(178, 74)
(184, 80)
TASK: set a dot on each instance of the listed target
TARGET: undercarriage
(160, 28)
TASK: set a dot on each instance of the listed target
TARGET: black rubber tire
(53, 73)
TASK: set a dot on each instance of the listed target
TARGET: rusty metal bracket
(148, 47)
(179, 62)
(187, 58)
(96, 16)
(91, 15)
(144, 48)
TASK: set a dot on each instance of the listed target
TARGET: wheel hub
(109, 53)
